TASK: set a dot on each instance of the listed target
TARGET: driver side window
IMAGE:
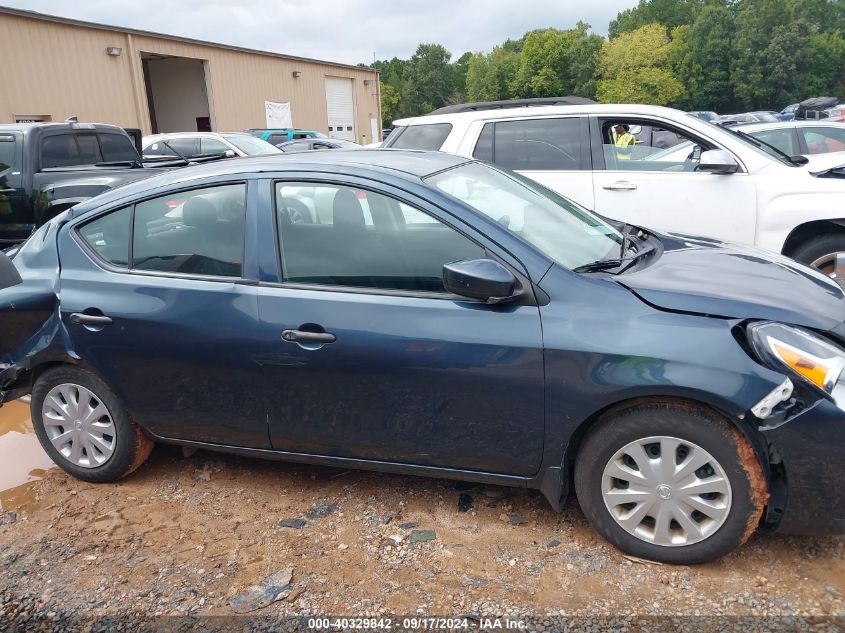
(640, 146)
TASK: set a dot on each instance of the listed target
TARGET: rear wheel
(825, 253)
(670, 482)
(83, 427)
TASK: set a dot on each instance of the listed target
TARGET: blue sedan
(423, 313)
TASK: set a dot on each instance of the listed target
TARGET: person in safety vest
(624, 141)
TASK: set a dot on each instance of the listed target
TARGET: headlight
(806, 355)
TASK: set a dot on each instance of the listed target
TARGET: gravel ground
(187, 544)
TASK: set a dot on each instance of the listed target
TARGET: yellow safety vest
(624, 144)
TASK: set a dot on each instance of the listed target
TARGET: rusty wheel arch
(752, 448)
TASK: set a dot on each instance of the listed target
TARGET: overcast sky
(347, 31)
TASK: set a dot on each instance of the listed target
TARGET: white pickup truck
(682, 175)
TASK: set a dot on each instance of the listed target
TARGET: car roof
(410, 164)
(166, 135)
(622, 109)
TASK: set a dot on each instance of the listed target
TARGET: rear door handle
(621, 185)
(300, 336)
(89, 319)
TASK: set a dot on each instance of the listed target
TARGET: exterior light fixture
(114, 51)
(297, 74)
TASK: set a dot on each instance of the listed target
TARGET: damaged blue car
(422, 313)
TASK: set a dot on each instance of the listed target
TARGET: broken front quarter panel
(31, 331)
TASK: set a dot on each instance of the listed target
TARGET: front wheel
(670, 482)
(83, 427)
(825, 253)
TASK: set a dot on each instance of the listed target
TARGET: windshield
(250, 145)
(769, 150)
(567, 233)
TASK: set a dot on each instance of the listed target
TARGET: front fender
(784, 213)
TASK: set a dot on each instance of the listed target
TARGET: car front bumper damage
(807, 450)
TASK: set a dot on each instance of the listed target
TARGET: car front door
(659, 188)
(554, 151)
(170, 323)
(367, 357)
(16, 217)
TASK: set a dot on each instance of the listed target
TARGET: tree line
(722, 55)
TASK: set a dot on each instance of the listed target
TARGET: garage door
(340, 109)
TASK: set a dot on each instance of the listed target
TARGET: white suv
(683, 175)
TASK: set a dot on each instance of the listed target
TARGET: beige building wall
(60, 68)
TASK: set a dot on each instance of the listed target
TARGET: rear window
(427, 137)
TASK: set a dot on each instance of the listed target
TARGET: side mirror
(483, 279)
(229, 153)
(717, 161)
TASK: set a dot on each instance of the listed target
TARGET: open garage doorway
(177, 93)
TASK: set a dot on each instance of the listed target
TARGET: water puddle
(22, 460)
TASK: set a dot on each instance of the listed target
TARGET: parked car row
(436, 316)
(464, 313)
(715, 182)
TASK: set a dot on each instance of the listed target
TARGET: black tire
(131, 446)
(698, 425)
(820, 246)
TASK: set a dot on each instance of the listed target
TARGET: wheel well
(576, 439)
(804, 232)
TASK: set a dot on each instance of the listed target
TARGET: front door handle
(620, 185)
(90, 319)
(301, 336)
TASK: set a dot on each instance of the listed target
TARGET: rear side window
(536, 144)
(427, 137)
(108, 236)
(117, 148)
(821, 140)
(7, 151)
(196, 232)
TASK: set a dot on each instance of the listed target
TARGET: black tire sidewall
(126, 438)
(708, 431)
(818, 246)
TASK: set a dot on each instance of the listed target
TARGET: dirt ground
(184, 536)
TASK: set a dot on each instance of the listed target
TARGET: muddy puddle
(22, 460)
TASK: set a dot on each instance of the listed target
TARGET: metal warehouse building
(54, 68)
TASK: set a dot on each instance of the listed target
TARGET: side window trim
(597, 121)
(131, 270)
(444, 217)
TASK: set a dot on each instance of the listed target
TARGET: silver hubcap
(832, 265)
(78, 425)
(666, 491)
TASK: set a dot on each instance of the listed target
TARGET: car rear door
(659, 188)
(554, 151)
(166, 316)
(366, 357)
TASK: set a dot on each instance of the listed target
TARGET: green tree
(555, 62)
(828, 64)
(706, 71)
(489, 77)
(391, 104)
(669, 13)
(429, 77)
(634, 68)
(771, 53)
